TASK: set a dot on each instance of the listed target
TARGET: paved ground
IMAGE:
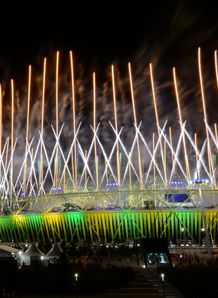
(146, 284)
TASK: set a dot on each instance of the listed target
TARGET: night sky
(104, 33)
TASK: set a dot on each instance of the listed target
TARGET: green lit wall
(110, 225)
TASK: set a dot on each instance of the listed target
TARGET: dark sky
(105, 32)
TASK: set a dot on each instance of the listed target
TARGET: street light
(76, 275)
(163, 282)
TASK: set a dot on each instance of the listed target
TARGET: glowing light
(42, 123)
(94, 129)
(136, 123)
(112, 185)
(12, 136)
(76, 275)
(44, 172)
(43, 168)
(106, 225)
(115, 123)
(216, 66)
(181, 120)
(205, 112)
(56, 118)
(157, 119)
(74, 155)
(0, 122)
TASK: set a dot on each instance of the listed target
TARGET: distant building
(32, 254)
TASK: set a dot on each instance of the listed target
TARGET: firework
(74, 154)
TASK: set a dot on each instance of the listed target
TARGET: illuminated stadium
(93, 179)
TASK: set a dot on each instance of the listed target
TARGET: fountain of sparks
(49, 176)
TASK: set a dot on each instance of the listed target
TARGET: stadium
(96, 180)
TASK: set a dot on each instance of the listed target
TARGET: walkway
(146, 284)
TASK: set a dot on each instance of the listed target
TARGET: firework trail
(65, 124)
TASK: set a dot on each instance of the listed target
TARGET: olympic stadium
(106, 181)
